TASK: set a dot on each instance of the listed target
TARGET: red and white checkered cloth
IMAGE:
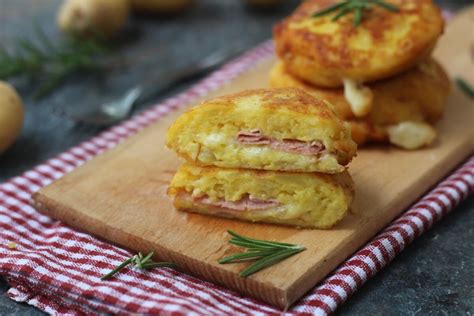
(58, 269)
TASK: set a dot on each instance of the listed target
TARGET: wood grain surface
(121, 194)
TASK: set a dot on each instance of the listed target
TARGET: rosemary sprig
(50, 63)
(357, 6)
(267, 253)
(465, 87)
(141, 262)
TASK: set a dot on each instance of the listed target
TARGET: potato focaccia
(326, 52)
(417, 96)
(269, 129)
(313, 200)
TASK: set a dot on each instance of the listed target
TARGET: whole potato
(11, 115)
(160, 6)
(84, 17)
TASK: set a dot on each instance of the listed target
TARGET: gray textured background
(432, 276)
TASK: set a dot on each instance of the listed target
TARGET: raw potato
(83, 17)
(160, 6)
(411, 135)
(11, 115)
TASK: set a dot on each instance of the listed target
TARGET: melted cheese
(359, 97)
(213, 139)
(411, 135)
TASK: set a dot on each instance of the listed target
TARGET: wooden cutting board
(121, 194)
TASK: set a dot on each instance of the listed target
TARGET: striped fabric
(58, 269)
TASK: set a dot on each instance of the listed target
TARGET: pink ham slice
(246, 203)
(255, 137)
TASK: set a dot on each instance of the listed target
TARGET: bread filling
(293, 146)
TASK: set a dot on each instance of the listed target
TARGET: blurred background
(145, 44)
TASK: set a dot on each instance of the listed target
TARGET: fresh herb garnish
(141, 262)
(465, 87)
(267, 253)
(357, 6)
(50, 63)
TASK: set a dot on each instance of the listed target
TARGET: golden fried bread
(302, 199)
(324, 52)
(417, 95)
(269, 129)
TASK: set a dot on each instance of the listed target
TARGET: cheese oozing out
(359, 97)
(411, 135)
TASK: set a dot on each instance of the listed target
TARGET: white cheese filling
(411, 135)
(359, 97)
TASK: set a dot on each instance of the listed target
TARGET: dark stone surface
(432, 276)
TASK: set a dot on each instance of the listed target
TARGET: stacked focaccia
(274, 155)
(377, 75)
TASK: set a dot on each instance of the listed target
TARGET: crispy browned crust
(324, 58)
(415, 95)
(291, 98)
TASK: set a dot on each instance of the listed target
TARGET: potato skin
(416, 95)
(386, 43)
(206, 133)
(11, 116)
(86, 17)
(314, 200)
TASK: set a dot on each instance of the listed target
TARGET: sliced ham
(247, 203)
(255, 137)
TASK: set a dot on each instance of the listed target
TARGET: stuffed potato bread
(417, 95)
(272, 129)
(313, 200)
(324, 52)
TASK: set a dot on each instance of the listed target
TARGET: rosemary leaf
(118, 268)
(247, 244)
(260, 242)
(138, 261)
(245, 256)
(148, 256)
(387, 6)
(270, 260)
(267, 253)
(52, 63)
(465, 87)
(341, 14)
(356, 6)
(329, 9)
(141, 262)
(357, 16)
